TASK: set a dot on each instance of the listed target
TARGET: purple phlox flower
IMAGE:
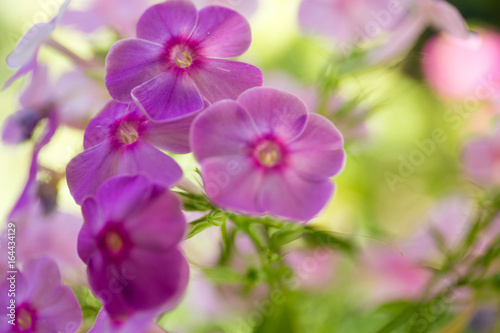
(245, 7)
(42, 303)
(138, 322)
(129, 242)
(24, 55)
(349, 21)
(72, 100)
(176, 62)
(481, 158)
(438, 14)
(121, 140)
(266, 153)
(115, 14)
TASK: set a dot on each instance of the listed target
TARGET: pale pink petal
(447, 17)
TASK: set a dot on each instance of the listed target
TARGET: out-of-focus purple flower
(313, 269)
(464, 69)
(121, 140)
(130, 243)
(117, 15)
(24, 55)
(481, 158)
(266, 153)
(139, 322)
(350, 21)
(42, 303)
(420, 14)
(244, 7)
(176, 62)
(73, 100)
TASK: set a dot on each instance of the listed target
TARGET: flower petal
(318, 152)
(221, 33)
(123, 196)
(61, 315)
(160, 225)
(98, 128)
(143, 158)
(89, 169)
(137, 322)
(170, 95)
(130, 63)
(285, 193)
(218, 79)
(223, 129)
(37, 93)
(27, 47)
(167, 20)
(448, 18)
(171, 135)
(233, 182)
(274, 111)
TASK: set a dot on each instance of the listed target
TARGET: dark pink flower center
(114, 241)
(26, 318)
(127, 132)
(182, 55)
(268, 153)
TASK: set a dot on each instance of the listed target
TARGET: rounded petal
(221, 33)
(89, 169)
(160, 224)
(27, 47)
(448, 18)
(99, 127)
(130, 63)
(233, 182)
(218, 79)
(285, 193)
(167, 20)
(170, 135)
(318, 152)
(223, 129)
(62, 315)
(170, 95)
(143, 158)
(135, 323)
(43, 280)
(276, 112)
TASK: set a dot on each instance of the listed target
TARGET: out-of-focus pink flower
(481, 158)
(314, 269)
(419, 15)
(244, 7)
(42, 303)
(72, 100)
(118, 15)
(390, 276)
(350, 21)
(266, 153)
(24, 55)
(464, 69)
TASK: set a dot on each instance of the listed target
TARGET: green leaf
(223, 275)
(326, 238)
(285, 235)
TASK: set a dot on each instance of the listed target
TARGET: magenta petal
(318, 152)
(89, 169)
(171, 135)
(224, 129)
(99, 127)
(233, 182)
(449, 19)
(167, 20)
(152, 221)
(130, 63)
(170, 95)
(218, 79)
(275, 111)
(135, 323)
(285, 193)
(121, 197)
(221, 33)
(143, 158)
